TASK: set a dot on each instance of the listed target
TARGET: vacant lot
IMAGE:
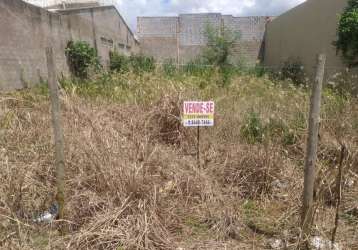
(132, 179)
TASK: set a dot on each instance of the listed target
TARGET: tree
(220, 43)
(347, 42)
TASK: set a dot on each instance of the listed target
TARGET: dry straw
(132, 181)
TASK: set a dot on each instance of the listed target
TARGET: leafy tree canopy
(347, 42)
(220, 43)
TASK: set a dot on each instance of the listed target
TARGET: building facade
(50, 3)
(27, 30)
(182, 38)
(304, 32)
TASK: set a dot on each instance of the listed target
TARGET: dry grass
(131, 175)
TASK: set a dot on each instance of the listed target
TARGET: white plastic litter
(276, 244)
(48, 216)
(318, 243)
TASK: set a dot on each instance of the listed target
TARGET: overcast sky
(130, 9)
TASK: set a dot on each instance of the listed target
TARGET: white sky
(131, 9)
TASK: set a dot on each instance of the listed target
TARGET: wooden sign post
(58, 133)
(311, 152)
(198, 114)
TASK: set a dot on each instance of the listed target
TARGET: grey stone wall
(27, 30)
(183, 38)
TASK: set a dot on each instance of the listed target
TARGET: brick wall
(183, 38)
(159, 37)
(27, 30)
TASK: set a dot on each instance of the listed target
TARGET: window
(107, 42)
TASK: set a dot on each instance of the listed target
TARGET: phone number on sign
(199, 122)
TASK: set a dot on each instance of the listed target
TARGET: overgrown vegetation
(253, 129)
(220, 43)
(136, 63)
(81, 58)
(141, 63)
(219, 51)
(347, 42)
(216, 57)
(118, 62)
(132, 177)
(293, 69)
(169, 67)
(344, 83)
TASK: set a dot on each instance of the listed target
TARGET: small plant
(293, 69)
(169, 67)
(118, 63)
(347, 42)
(279, 129)
(196, 68)
(136, 63)
(344, 83)
(81, 56)
(141, 63)
(197, 226)
(226, 74)
(253, 129)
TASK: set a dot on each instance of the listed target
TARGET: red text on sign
(198, 108)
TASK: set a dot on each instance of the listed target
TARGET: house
(302, 33)
(26, 30)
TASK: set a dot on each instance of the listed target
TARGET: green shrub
(136, 63)
(218, 51)
(81, 56)
(293, 69)
(169, 67)
(253, 129)
(220, 44)
(118, 63)
(347, 42)
(141, 63)
(197, 68)
(226, 73)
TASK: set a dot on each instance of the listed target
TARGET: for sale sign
(198, 114)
